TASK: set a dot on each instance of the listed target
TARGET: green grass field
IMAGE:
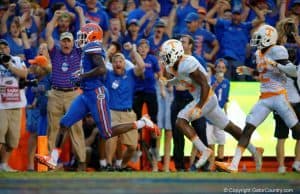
(149, 175)
(147, 182)
(243, 96)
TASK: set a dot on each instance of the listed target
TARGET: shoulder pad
(279, 53)
(93, 47)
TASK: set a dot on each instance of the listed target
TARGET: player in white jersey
(272, 67)
(188, 72)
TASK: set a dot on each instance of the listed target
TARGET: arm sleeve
(290, 69)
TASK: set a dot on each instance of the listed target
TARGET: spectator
(40, 68)
(114, 8)
(129, 6)
(147, 10)
(61, 22)
(286, 27)
(32, 23)
(133, 35)
(158, 37)
(206, 43)
(12, 33)
(235, 37)
(65, 61)
(94, 13)
(115, 32)
(176, 23)
(120, 84)
(165, 98)
(145, 90)
(114, 48)
(221, 87)
(12, 69)
(91, 135)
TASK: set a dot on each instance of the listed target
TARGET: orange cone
(42, 148)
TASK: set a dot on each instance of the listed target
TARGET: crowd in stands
(215, 32)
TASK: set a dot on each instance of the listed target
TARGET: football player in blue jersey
(94, 98)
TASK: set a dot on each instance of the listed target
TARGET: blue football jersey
(87, 65)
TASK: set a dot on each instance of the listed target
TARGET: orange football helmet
(89, 33)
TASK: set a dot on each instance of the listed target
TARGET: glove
(75, 78)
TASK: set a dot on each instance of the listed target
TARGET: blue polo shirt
(203, 41)
(120, 89)
(148, 82)
(235, 38)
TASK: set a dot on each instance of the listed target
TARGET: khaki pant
(58, 103)
(129, 138)
(10, 127)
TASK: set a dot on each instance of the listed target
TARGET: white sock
(118, 163)
(236, 158)
(140, 124)
(102, 162)
(199, 144)
(55, 155)
(251, 148)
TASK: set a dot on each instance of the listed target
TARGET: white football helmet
(264, 36)
(171, 51)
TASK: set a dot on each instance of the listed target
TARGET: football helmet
(264, 36)
(171, 51)
(88, 33)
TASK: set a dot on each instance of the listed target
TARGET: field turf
(148, 182)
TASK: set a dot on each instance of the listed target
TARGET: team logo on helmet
(265, 36)
(171, 51)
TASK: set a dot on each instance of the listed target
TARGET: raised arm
(260, 17)
(139, 62)
(211, 13)
(50, 27)
(80, 14)
(10, 12)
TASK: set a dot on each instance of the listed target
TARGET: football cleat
(46, 160)
(225, 167)
(204, 157)
(147, 121)
(258, 158)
